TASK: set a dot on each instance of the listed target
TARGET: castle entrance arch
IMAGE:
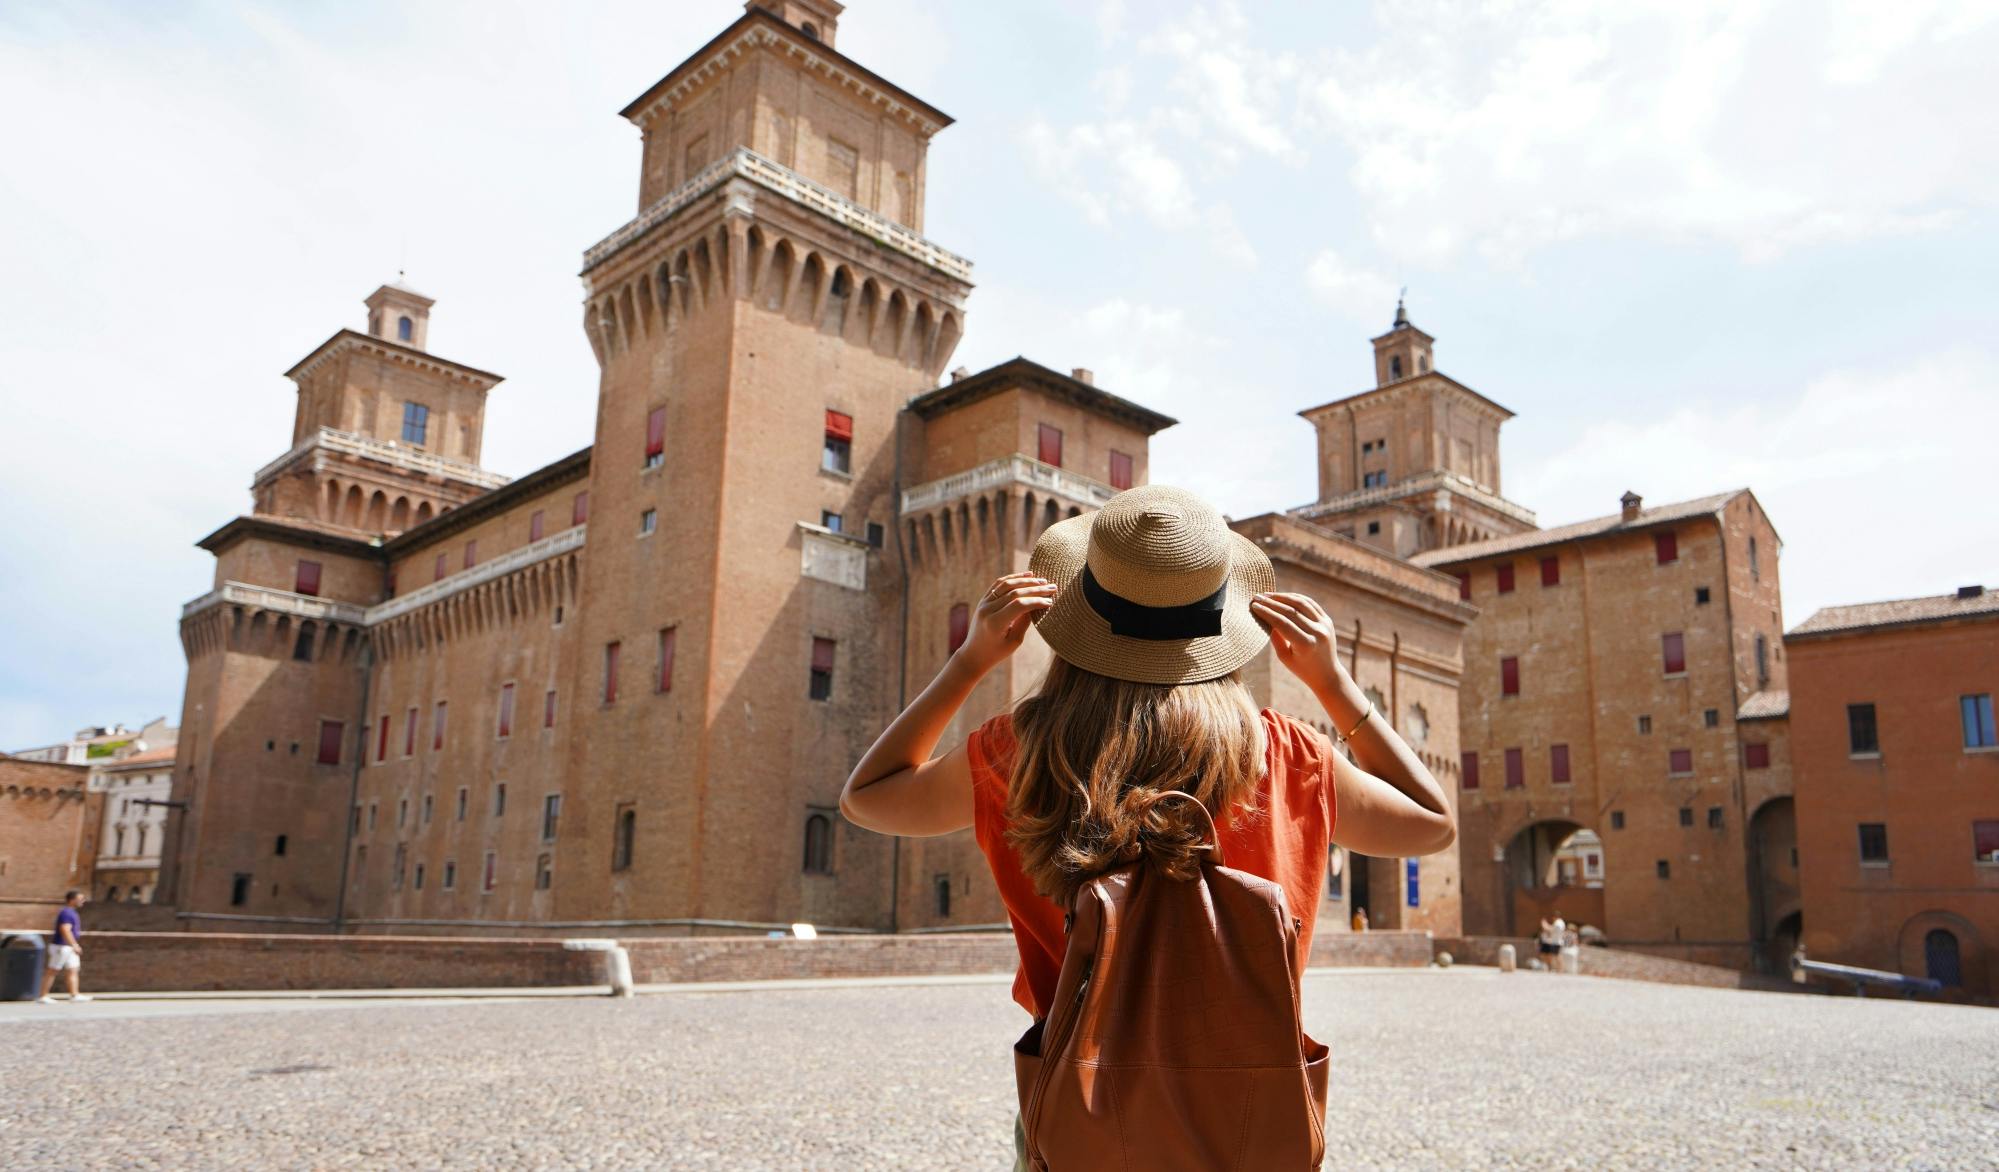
(1554, 868)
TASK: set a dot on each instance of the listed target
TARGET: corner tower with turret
(1413, 464)
(759, 325)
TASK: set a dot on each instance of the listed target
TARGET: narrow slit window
(655, 437)
(610, 673)
(664, 681)
(506, 724)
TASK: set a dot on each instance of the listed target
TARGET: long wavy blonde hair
(1096, 754)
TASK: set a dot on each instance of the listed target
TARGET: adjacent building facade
(1897, 769)
(48, 823)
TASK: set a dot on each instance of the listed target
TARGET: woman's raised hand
(1001, 619)
(1301, 633)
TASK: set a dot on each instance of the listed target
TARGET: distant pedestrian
(1360, 919)
(1079, 799)
(1550, 940)
(66, 949)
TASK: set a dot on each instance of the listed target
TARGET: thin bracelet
(1358, 723)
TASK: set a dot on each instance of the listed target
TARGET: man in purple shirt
(66, 948)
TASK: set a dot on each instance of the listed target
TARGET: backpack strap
(1213, 845)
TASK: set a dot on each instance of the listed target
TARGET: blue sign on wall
(1413, 900)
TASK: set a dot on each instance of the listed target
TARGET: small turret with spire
(1402, 352)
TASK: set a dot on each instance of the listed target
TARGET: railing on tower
(747, 164)
(386, 451)
(1015, 469)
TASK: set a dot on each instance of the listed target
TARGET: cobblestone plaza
(1462, 1068)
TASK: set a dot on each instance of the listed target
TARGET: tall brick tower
(280, 651)
(759, 326)
(1413, 464)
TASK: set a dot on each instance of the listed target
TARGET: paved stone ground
(1436, 1069)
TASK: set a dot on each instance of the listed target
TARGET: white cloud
(1840, 466)
(1359, 293)
(1764, 125)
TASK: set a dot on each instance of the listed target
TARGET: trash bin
(21, 958)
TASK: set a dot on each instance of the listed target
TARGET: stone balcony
(744, 163)
(1436, 480)
(403, 456)
(1008, 471)
(305, 606)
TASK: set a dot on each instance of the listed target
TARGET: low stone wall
(159, 962)
(155, 962)
(1612, 962)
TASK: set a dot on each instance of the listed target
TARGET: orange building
(1897, 773)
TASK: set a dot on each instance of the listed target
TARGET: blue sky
(1693, 245)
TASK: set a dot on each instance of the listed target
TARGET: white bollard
(1572, 960)
(1506, 958)
(617, 962)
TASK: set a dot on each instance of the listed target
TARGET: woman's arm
(1389, 803)
(896, 787)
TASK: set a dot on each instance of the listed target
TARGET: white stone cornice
(401, 456)
(1009, 471)
(527, 555)
(327, 610)
(745, 163)
(1439, 479)
(303, 606)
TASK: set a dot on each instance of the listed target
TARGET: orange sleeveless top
(1286, 840)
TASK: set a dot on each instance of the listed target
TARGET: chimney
(1965, 593)
(1632, 502)
(1084, 375)
(959, 374)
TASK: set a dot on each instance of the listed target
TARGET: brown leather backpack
(1174, 1042)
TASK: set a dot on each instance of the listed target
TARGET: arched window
(818, 845)
(810, 30)
(1940, 959)
(118, 844)
(1394, 364)
(110, 893)
(405, 329)
(942, 886)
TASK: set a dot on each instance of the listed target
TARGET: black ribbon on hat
(1194, 620)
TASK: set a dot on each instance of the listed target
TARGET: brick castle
(622, 691)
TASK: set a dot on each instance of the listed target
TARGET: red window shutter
(839, 425)
(610, 673)
(534, 526)
(1464, 584)
(548, 709)
(961, 624)
(1558, 764)
(1551, 571)
(382, 741)
(409, 735)
(1667, 545)
(579, 510)
(1469, 764)
(1756, 755)
(439, 571)
(491, 858)
(1120, 471)
(1504, 575)
(330, 734)
(1509, 676)
(656, 432)
(1051, 445)
(666, 641)
(822, 654)
(1673, 648)
(437, 727)
(1680, 761)
(506, 710)
(1516, 772)
(308, 578)
(471, 554)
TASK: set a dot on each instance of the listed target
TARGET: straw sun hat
(1154, 587)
